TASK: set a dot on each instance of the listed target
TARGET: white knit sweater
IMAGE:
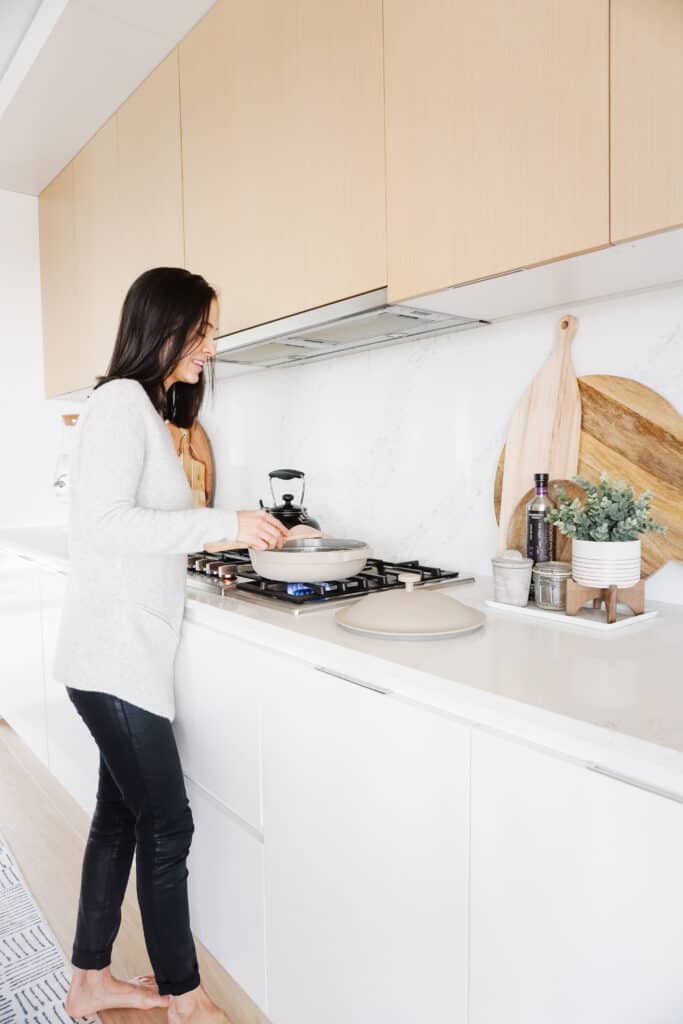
(131, 523)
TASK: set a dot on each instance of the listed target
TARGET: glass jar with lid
(550, 585)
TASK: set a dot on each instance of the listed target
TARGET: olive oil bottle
(540, 536)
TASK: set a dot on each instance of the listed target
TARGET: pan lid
(410, 614)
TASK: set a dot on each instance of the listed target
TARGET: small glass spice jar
(550, 585)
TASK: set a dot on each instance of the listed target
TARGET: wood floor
(46, 830)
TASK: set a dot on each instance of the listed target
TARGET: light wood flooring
(46, 830)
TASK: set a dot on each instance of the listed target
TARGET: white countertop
(611, 699)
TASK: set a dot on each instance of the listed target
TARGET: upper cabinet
(113, 212)
(298, 154)
(97, 283)
(283, 154)
(497, 137)
(150, 177)
(647, 116)
(61, 338)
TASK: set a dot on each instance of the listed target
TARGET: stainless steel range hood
(355, 323)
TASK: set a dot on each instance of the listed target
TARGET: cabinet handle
(636, 783)
(350, 679)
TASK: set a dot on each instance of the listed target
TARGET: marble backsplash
(400, 445)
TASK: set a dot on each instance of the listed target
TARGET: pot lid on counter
(410, 614)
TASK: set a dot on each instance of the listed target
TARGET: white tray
(588, 618)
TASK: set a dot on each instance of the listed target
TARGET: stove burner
(378, 575)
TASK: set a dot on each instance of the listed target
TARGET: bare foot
(195, 1007)
(92, 991)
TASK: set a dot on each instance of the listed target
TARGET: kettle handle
(288, 474)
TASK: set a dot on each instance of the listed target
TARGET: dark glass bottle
(540, 536)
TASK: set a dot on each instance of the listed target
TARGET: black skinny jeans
(142, 807)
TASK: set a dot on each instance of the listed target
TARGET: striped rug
(34, 974)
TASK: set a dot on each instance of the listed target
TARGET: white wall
(400, 445)
(30, 426)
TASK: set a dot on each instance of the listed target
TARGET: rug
(34, 974)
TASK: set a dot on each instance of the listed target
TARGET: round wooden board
(635, 435)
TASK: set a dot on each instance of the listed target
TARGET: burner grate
(378, 575)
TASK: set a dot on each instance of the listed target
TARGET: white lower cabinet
(218, 685)
(226, 892)
(366, 855)
(72, 753)
(576, 893)
(22, 697)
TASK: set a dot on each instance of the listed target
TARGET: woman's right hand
(260, 530)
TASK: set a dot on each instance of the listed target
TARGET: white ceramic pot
(603, 563)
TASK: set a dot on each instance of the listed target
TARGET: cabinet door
(72, 754)
(99, 280)
(576, 893)
(226, 892)
(61, 325)
(497, 137)
(647, 116)
(150, 187)
(365, 835)
(219, 690)
(22, 696)
(283, 154)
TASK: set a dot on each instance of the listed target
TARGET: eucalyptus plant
(609, 512)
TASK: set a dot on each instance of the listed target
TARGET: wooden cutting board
(635, 435)
(544, 431)
(194, 451)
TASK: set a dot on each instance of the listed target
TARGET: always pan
(311, 560)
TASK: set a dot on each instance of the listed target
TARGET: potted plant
(605, 529)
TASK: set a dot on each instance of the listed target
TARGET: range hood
(355, 323)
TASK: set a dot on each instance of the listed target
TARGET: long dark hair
(163, 304)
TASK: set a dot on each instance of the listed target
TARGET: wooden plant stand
(633, 597)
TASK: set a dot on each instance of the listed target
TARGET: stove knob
(225, 569)
(199, 564)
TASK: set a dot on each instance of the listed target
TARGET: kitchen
(478, 828)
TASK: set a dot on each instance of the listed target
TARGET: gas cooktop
(231, 573)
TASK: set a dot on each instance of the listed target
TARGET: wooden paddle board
(635, 435)
(543, 436)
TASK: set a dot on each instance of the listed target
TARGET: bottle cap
(541, 479)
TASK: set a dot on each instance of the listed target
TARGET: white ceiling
(66, 66)
(15, 18)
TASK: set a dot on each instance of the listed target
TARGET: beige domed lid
(410, 614)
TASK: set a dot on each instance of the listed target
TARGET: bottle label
(540, 537)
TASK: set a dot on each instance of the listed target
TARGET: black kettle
(289, 512)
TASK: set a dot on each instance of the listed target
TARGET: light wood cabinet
(99, 278)
(575, 892)
(150, 185)
(497, 137)
(58, 283)
(113, 212)
(647, 116)
(366, 817)
(283, 154)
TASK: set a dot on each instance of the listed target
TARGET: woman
(131, 524)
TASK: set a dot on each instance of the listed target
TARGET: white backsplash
(400, 445)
